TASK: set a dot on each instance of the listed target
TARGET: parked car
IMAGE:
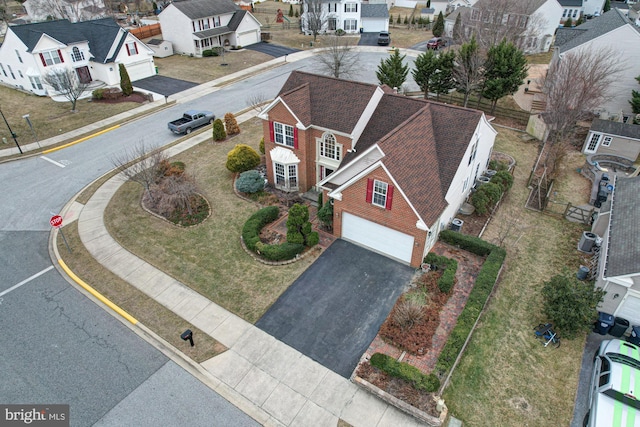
(384, 38)
(613, 397)
(436, 43)
(191, 120)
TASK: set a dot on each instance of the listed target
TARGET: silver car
(615, 386)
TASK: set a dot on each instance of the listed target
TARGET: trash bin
(604, 323)
(619, 327)
(156, 70)
(634, 338)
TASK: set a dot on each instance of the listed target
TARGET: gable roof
(99, 33)
(374, 11)
(623, 255)
(196, 9)
(326, 101)
(569, 38)
(422, 150)
(616, 128)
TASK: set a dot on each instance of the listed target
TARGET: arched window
(329, 148)
(77, 55)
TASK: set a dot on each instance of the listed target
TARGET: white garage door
(630, 309)
(375, 25)
(377, 237)
(248, 38)
(139, 71)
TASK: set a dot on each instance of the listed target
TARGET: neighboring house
(351, 16)
(634, 14)
(160, 48)
(574, 9)
(444, 6)
(74, 11)
(612, 31)
(530, 24)
(396, 169)
(94, 49)
(193, 26)
(613, 138)
(619, 258)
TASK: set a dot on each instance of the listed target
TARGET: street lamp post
(26, 117)
(13, 135)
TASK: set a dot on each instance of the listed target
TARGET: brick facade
(400, 217)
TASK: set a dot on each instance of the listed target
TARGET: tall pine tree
(125, 81)
(635, 99)
(438, 27)
(426, 65)
(391, 71)
(443, 81)
(505, 70)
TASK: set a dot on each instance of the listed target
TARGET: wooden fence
(146, 31)
(520, 116)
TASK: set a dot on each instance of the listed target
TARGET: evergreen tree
(218, 130)
(291, 10)
(635, 99)
(426, 65)
(438, 27)
(505, 70)
(580, 20)
(299, 228)
(457, 29)
(125, 81)
(390, 19)
(568, 23)
(406, 20)
(392, 71)
(399, 21)
(428, 4)
(607, 6)
(231, 124)
(442, 81)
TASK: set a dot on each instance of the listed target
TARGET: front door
(83, 74)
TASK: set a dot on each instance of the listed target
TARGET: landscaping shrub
(280, 252)
(261, 147)
(340, 32)
(242, 158)
(166, 168)
(408, 313)
(429, 383)
(477, 298)
(493, 192)
(98, 94)
(218, 131)
(125, 81)
(504, 179)
(255, 223)
(448, 278)
(231, 124)
(250, 182)
(299, 227)
(498, 165)
(325, 214)
(207, 53)
(485, 197)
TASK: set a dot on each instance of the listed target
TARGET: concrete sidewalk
(265, 378)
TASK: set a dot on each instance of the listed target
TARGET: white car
(615, 386)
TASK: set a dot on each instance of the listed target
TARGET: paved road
(58, 347)
(333, 311)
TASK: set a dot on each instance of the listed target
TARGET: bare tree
(73, 10)
(172, 193)
(339, 60)
(65, 82)
(140, 164)
(256, 101)
(315, 17)
(468, 70)
(576, 84)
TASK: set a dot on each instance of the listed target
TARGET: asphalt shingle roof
(623, 256)
(572, 3)
(196, 9)
(569, 38)
(374, 11)
(423, 141)
(526, 7)
(616, 128)
(100, 33)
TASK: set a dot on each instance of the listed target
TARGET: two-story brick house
(94, 49)
(193, 26)
(396, 169)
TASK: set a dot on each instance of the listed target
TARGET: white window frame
(35, 82)
(285, 176)
(283, 134)
(351, 7)
(379, 195)
(76, 54)
(51, 57)
(132, 49)
(606, 142)
(329, 148)
(350, 24)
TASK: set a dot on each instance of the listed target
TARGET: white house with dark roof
(193, 26)
(575, 8)
(94, 49)
(612, 31)
(351, 16)
(618, 223)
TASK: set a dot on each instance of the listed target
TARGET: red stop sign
(56, 221)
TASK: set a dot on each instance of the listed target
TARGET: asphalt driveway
(163, 85)
(370, 39)
(333, 311)
(274, 50)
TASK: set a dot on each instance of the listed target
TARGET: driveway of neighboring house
(163, 85)
(371, 39)
(272, 49)
(333, 311)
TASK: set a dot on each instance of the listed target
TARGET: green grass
(208, 257)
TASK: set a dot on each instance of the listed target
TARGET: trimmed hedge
(429, 383)
(448, 278)
(251, 236)
(477, 298)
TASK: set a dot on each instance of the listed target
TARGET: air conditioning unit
(482, 180)
(586, 242)
(456, 224)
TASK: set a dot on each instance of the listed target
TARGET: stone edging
(429, 420)
(149, 211)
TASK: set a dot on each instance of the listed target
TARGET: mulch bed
(134, 97)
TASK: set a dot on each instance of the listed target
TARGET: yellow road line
(96, 294)
(77, 141)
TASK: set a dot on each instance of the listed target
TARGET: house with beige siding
(613, 138)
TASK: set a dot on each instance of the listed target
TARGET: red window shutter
(271, 138)
(389, 197)
(44, 62)
(295, 138)
(369, 190)
(60, 55)
(135, 45)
